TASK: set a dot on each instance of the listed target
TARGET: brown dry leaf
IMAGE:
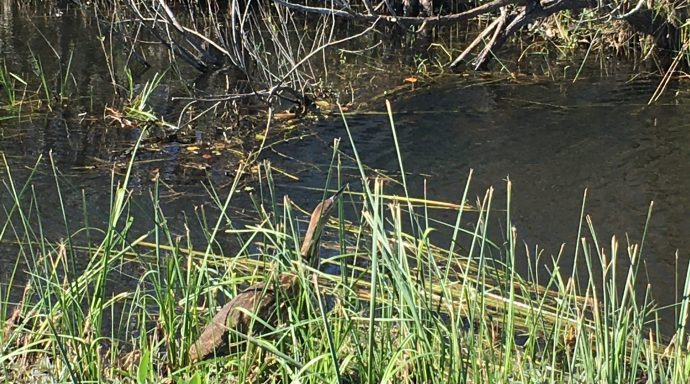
(570, 338)
(12, 322)
(116, 116)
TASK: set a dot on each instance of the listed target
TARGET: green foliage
(405, 307)
(9, 84)
(39, 72)
(139, 108)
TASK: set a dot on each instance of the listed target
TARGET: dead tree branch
(514, 15)
(477, 40)
(530, 13)
(406, 21)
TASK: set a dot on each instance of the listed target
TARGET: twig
(541, 10)
(278, 85)
(475, 42)
(370, 9)
(501, 21)
(170, 44)
(630, 12)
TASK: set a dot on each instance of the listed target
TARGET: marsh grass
(138, 103)
(17, 100)
(10, 84)
(26, 97)
(402, 307)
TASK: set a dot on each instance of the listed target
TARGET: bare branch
(501, 21)
(475, 42)
(278, 85)
(526, 16)
(431, 22)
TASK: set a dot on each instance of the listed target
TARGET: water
(552, 138)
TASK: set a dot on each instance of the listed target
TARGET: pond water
(552, 138)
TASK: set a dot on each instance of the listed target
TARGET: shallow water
(553, 141)
(552, 138)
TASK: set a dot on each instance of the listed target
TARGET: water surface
(553, 139)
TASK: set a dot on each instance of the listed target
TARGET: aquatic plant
(44, 95)
(37, 67)
(139, 108)
(9, 83)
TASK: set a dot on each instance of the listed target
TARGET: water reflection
(553, 141)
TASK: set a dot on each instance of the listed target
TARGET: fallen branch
(476, 42)
(502, 27)
(406, 21)
(531, 12)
